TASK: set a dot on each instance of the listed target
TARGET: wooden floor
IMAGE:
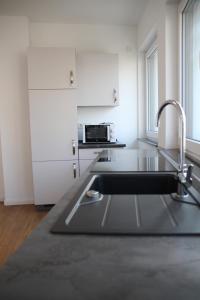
(16, 223)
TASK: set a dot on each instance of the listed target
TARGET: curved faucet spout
(182, 118)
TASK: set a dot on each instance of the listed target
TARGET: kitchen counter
(132, 160)
(55, 267)
(100, 145)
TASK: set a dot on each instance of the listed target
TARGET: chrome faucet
(184, 170)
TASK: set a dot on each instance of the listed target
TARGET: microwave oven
(98, 133)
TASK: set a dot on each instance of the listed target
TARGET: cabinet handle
(74, 170)
(73, 147)
(114, 95)
(71, 75)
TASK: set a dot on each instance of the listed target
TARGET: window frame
(192, 146)
(149, 51)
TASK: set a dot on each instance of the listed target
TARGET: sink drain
(93, 196)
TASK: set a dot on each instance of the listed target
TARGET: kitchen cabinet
(97, 75)
(53, 125)
(84, 164)
(53, 121)
(86, 157)
(51, 68)
(89, 153)
(52, 179)
(54, 140)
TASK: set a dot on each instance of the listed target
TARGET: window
(191, 67)
(151, 89)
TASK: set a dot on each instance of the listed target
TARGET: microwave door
(96, 133)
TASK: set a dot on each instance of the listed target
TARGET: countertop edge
(96, 146)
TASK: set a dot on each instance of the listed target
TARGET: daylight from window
(152, 88)
(191, 68)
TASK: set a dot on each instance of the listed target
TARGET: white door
(51, 68)
(53, 124)
(97, 75)
(53, 179)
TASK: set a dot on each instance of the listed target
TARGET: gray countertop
(55, 267)
(132, 160)
(100, 145)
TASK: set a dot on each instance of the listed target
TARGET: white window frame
(149, 51)
(192, 146)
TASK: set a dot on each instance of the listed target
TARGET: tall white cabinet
(51, 68)
(53, 122)
(53, 118)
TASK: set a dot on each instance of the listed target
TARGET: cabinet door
(98, 79)
(86, 157)
(84, 165)
(53, 124)
(53, 179)
(89, 153)
(51, 68)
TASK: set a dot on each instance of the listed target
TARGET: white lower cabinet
(86, 157)
(84, 165)
(89, 153)
(52, 179)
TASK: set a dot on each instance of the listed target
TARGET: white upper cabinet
(97, 75)
(53, 124)
(51, 68)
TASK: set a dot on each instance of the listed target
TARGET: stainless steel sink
(136, 204)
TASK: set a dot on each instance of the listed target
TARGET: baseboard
(8, 202)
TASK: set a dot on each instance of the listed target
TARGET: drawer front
(89, 153)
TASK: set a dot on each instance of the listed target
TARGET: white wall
(14, 124)
(113, 39)
(160, 19)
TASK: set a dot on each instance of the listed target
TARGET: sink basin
(135, 204)
(126, 184)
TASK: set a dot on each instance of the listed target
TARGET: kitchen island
(54, 266)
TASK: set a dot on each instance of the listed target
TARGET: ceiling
(115, 12)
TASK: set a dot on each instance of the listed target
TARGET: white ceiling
(119, 12)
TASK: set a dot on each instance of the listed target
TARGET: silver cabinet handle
(74, 170)
(73, 147)
(71, 76)
(114, 95)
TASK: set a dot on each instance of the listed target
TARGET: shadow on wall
(1, 176)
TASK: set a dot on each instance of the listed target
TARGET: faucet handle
(189, 173)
